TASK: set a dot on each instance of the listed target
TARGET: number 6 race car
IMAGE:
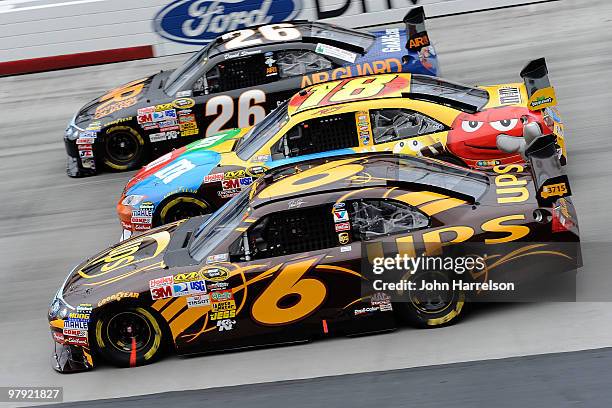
(233, 82)
(403, 113)
(282, 262)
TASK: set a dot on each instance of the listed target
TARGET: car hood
(125, 266)
(122, 101)
(199, 157)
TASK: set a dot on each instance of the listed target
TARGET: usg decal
(201, 21)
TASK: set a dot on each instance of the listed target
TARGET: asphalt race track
(49, 222)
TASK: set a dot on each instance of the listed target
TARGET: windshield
(177, 79)
(457, 92)
(255, 138)
(464, 181)
(218, 227)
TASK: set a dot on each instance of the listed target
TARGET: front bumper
(81, 160)
(67, 358)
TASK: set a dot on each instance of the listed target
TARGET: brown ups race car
(286, 261)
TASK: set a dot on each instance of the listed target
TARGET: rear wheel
(181, 207)
(123, 148)
(440, 306)
(129, 337)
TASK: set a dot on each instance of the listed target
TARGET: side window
(318, 135)
(395, 124)
(372, 218)
(291, 232)
(235, 73)
(301, 62)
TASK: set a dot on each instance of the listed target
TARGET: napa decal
(201, 21)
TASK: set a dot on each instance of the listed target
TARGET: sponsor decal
(85, 140)
(340, 215)
(76, 341)
(142, 220)
(488, 163)
(222, 296)
(58, 337)
(217, 258)
(183, 103)
(336, 52)
(228, 193)
(553, 190)
(343, 238)
(75, 332)
(198, 301)
(418, 41)
(343, 226)
(180, 289)
(161, 292)
(86, 153)
(186, 277)
(226, 324)
(75, 324)
(347, 248)
(160, 137)
(119, 98)
(217, 286)
(363, 127)
(366, 310)
(542, 98)
(391, 40)
(297, 203)
(118, 296)
(201, 21)
(215, 274)
(509, 95)
(214, 178)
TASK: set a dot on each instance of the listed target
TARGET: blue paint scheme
(156, 190)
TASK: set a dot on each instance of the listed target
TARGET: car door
(239, 89)
(326, 135)
(406, 131)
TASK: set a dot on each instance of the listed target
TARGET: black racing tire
(430, 309)
(123, 148)
(179, 207)
(129, 336)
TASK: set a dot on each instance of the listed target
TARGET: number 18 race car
(403, 113)
(283, 261)
(233, 82)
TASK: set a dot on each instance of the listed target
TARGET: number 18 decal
(250, 112)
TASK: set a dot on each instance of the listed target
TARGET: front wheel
(123, 148)
(181, 207)
(438, 304)
(129, 337)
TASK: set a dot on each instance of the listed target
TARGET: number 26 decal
(250, 111)
(305, 295)
(272, 32)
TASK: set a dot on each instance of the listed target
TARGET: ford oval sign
(201, 21)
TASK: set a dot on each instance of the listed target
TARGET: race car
(233, 82)
(403, 113)
(283, 262)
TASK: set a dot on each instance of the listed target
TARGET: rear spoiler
(540, 152)
(541, 95)
(415, 29)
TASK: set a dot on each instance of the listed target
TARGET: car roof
(311, 32)
(379, 86)
(337, 174)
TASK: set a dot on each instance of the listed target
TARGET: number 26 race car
(233, 82)
(283, 261)
(403, 113)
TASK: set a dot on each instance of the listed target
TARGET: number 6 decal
(308, 294)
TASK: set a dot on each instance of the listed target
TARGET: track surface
(576, 379)
(49, 222)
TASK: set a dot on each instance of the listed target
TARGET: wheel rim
(122, 147)
(126, 329)
(432, 301)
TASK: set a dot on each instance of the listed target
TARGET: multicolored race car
(402, 113)
(233, 82)
(283, 261)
